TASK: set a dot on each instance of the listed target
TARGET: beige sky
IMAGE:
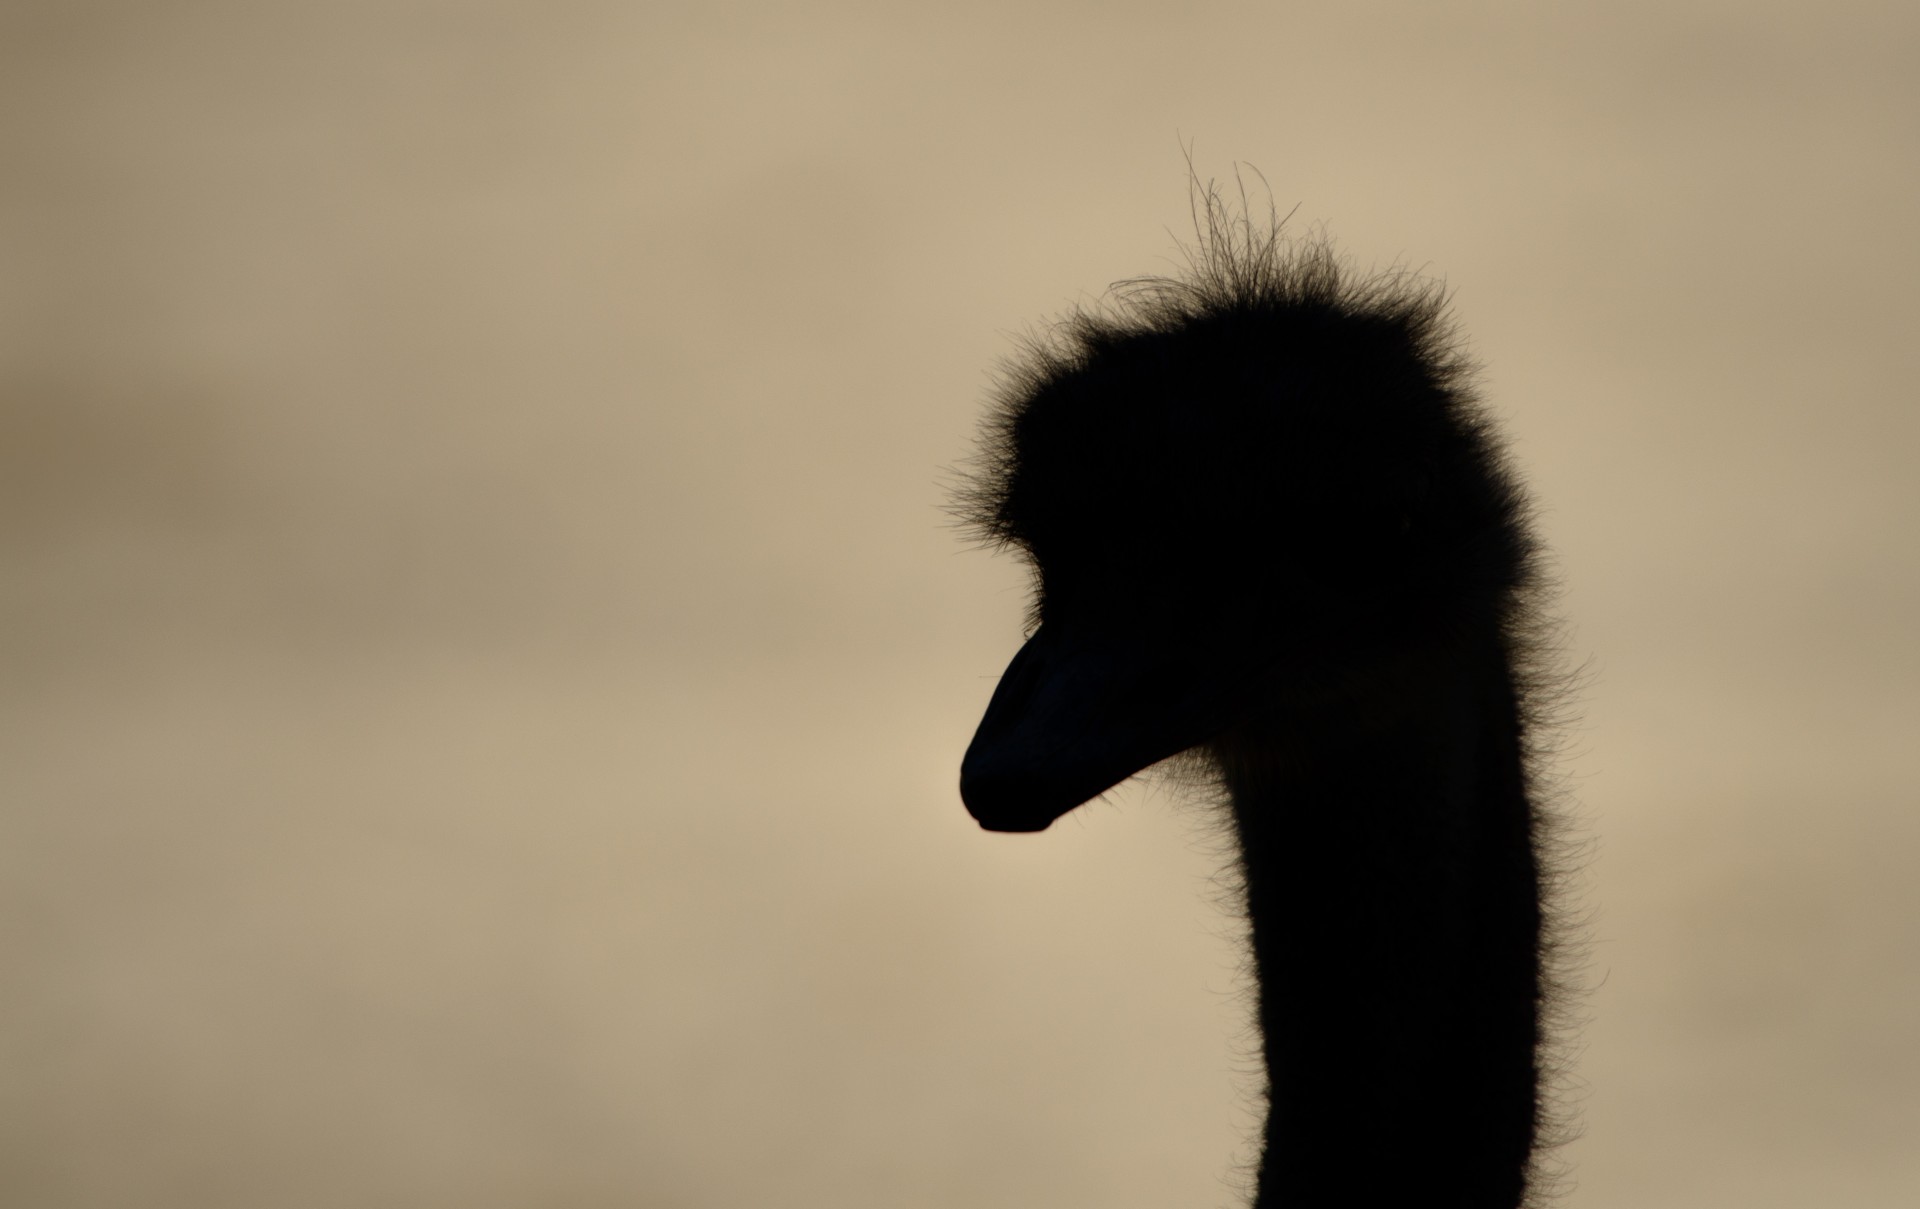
(485, 669)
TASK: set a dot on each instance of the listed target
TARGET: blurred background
(483, 665)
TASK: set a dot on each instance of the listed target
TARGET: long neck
(1394, 896)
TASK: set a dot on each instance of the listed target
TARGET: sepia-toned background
(483, 665)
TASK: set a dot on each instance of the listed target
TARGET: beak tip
(998, 805)
(1013, 826)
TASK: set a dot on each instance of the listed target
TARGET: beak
(1075, 714)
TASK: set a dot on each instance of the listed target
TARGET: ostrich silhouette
(1271, 527)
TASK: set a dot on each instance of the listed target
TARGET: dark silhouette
(1270, 524)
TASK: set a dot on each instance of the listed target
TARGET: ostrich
(1270, 527)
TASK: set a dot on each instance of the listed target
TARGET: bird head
(1248, 478)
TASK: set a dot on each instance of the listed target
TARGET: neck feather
(1393, 893)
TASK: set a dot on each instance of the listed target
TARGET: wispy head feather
(1268, 413)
